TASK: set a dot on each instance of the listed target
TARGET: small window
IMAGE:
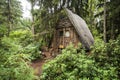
(67, 34)
(60, 33)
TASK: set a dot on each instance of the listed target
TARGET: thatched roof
(64, 22)
(81, 28)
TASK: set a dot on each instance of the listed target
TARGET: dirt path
(37, 65)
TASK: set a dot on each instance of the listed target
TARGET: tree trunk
(32, 26)
(112, 30)
(9, 18)
(104, 26)
(91, 13)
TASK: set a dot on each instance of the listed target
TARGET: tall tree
(104, 32)
(91, 12)
(33, 3)
(14, 13)
(109, 24)
(10, 14)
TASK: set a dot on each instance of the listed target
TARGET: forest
(26, 41)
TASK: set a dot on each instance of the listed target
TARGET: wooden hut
(72, 29)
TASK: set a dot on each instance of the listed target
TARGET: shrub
(107, 55)
(71, 65)
(33, 50)
(21, 41)
(16, 68)
(23, 37)
(15, 54)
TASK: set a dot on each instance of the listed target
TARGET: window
(67, 34)
(60, 33)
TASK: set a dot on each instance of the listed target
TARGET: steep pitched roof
(81, 28)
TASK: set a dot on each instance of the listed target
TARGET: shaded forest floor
(37, 64)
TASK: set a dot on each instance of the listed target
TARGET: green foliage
(16, 67)
(71, 65)
(21, 41)
(23, 37)
(107, 55)
(33, 50)
(3, 30)
(16, 52)
(113, 52)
